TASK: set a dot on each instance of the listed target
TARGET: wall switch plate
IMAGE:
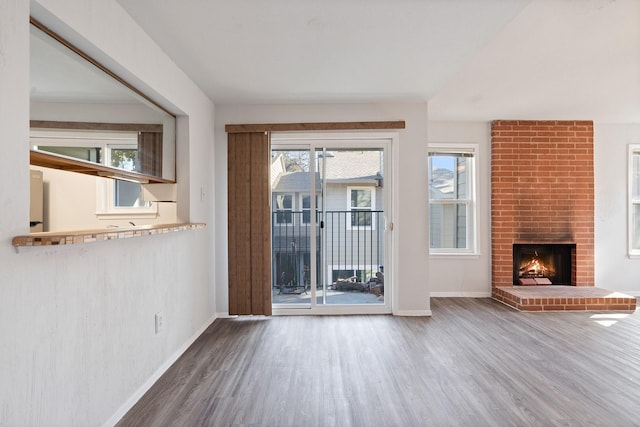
(159, 322)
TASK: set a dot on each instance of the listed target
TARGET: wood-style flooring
(475, 362)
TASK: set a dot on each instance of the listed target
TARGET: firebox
(543, 263)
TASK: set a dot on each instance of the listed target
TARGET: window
(634, 200)
(306, 208)
(89, 154)
(452, 199)
(284, 208)
(113, 148)
(361, 202)
(125, 194)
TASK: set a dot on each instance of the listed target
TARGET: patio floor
(333, 297)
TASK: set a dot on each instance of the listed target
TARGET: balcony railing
(352, 245)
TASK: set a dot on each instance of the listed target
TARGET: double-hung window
(634, 200)
(361, 201)
(452, 207)
(305, 201)
(123, 197)
(284, 209)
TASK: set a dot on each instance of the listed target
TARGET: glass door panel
(291, 234)
(353, 232)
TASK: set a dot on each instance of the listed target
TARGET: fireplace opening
(542, 264)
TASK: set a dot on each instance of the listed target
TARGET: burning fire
(533, 268)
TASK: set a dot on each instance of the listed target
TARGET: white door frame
(388, 141)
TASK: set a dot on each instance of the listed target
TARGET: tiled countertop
(87, 236)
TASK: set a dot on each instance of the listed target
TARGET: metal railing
(348, 244)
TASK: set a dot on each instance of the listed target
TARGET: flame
(534, 267)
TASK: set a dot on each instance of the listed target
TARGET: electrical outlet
(159, 322)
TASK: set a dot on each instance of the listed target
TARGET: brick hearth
(563, 298)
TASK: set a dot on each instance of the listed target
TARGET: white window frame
(470, 202)
(293, 205)
(303, 209)
(105, 187)
(634, 253)
(106, 208)
(372, 190)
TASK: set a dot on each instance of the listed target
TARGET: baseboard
(414, 313)
(224, 315)
(462, 294)
(113, 420)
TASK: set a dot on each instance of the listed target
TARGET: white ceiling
(470, 59)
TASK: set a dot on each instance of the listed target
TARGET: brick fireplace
(542, 193)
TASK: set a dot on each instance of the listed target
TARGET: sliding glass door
(294, 240)
(330, 216)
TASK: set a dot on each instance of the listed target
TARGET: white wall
(613, 268)
(90, 112)
(70, 202)
(77, 322)
(466, 275)
(471, 276)
(411, 296)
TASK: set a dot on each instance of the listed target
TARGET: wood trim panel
(260, 224)
(237, 237)
(132, 127)
(249, 224)
(321, 126)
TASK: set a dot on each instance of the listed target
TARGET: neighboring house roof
(341, 166)
(293, 182)
(354, 166)
(441, 181)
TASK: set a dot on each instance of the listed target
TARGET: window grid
(451, 200)
(284, 209)
(305, 203)
(361, 201)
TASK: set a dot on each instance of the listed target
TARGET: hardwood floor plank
(475, 362)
